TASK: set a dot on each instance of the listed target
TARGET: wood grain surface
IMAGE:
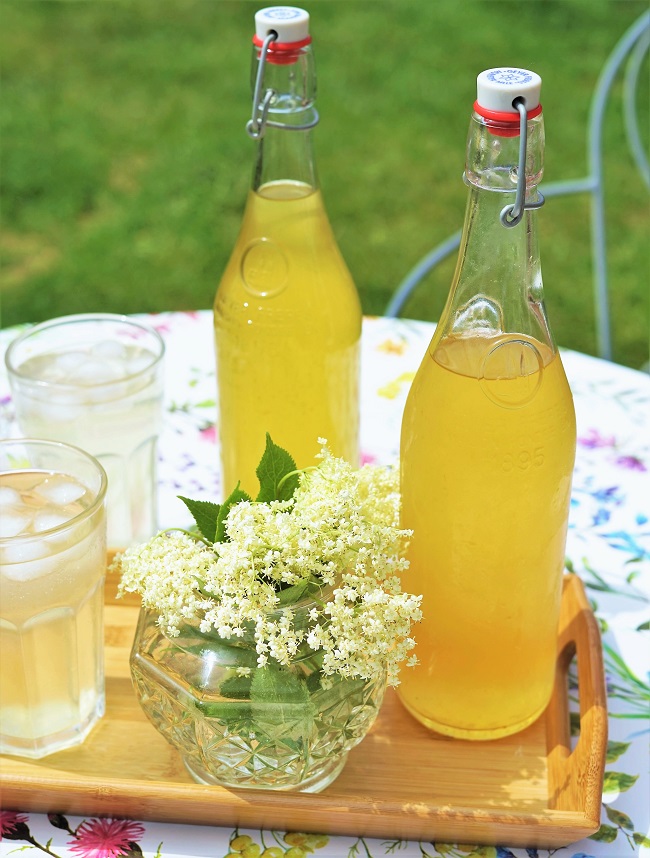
(402, 781)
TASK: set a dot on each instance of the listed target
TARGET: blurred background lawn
(125, 163)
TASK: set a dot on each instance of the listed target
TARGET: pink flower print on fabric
(105, 838)
(209, 433)
(9, 821)
(632, 463)
(163, 323)
(594, 439)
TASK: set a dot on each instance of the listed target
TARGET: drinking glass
(52, 566)
(95, 381)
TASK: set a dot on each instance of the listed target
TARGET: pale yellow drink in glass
(287, 327)
(486, 490)
(95, 381)
(52, 564)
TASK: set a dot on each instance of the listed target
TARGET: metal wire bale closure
(259, 121)
(511, 215)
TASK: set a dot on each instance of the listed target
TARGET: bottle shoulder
(493, 361)
(286, 255)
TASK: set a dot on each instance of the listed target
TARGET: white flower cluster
(339, 532)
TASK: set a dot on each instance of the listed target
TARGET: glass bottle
(287, 314)
(487, 449)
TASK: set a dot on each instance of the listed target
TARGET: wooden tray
(402, 781)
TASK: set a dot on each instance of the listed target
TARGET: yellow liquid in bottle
(486, 477)
(287, 326)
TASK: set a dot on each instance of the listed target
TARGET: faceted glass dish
(239, 725)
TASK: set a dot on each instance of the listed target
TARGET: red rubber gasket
(282, 53)
(282, 46)
(503, 116)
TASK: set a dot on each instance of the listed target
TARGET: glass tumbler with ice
(52, 566)
(95, 381)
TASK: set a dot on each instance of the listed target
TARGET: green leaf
(644, 627)
(574, 720)
(641, 839)
(235, 497)
(236, 687)
(223, 653)
(276, 465)
(342, 689)
(205, 514)
(294, 593)
(605, 834)
(619, 818)
(618, 781)
(621, 668)
(616, 750)
(630, 715)
(228, 712)
(281, 700)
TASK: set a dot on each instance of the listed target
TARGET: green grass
(125, 163)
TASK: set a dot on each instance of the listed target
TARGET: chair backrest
(632, 47)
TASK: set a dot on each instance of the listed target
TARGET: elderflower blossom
(339, 533)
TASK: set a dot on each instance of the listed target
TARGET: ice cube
(23, 561)
(139, 362)
(50, 372)
(113, 392)
(9, 496)
(14, 522)
(90, 550)
(60, 490)
(111, 349)
(95, 371)
(49, 518)
(69, 362)
(54, 409)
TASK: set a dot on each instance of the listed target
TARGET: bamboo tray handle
(575, 776)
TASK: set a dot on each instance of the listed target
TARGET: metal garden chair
(631, 49)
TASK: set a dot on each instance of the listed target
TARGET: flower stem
(193, 534)
(38, 845)
(293, 474)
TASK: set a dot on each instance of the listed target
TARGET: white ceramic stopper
(496, 89)
(290, 23)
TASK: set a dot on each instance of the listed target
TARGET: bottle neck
(285, 156)
(497, 286)
(285, 150)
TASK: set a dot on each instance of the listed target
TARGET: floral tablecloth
(608, 546)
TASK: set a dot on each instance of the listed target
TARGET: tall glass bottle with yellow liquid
(488, 447)
(287, 315)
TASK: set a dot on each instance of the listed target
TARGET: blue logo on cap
(510, 77)
(283, 13)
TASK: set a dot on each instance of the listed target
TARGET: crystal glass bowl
(240, 725)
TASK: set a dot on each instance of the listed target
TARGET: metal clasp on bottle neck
(511, 215)
(259, 121)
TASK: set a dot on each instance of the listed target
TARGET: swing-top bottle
(287, 314)
(488, 446)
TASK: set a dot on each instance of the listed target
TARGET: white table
(608, 546)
